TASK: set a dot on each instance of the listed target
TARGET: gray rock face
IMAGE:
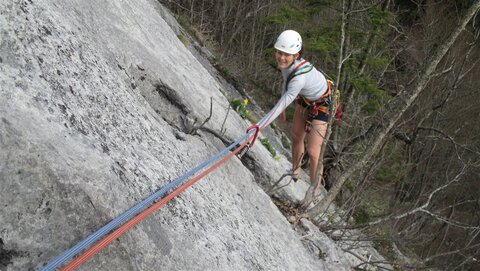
(91, 98)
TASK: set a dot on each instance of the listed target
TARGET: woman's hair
(300, 53)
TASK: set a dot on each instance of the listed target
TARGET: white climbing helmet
(289, 42)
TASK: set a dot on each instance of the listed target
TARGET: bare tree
(422, 82)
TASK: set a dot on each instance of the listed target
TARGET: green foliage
(225, 72)
(380, 41)
(223, 92)
(384, 242)
(185, 23)
(183, 39)
(349, 186)
(323, 41)
(290, 112)
(286, 15)
(368, 87)
(213, 58)
(372, 207)
(321, 44)
(274, 126)
(357, 36)
(376, 63)
(391, 173)
(378, 18)
(321, 3)
(285, 142)
(240, 106)
(266, 143)
(393, 168)
(361, 215)
(269, 53)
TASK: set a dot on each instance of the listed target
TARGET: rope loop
(257, 129)
(247, 146)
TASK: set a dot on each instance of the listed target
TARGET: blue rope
(262, 123)
(87, 242)
(92, 238)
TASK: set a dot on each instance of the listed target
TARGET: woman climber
(308, 87)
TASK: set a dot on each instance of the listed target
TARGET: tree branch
(424, 79)
(194, 129)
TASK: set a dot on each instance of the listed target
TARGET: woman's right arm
(293, 89)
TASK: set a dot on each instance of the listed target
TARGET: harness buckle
(313, 112)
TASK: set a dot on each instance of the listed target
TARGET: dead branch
(222, 129)
(420, 209)
(449, 139)
(274, 189)
(429, 259)
(367, 262)
(194, 129)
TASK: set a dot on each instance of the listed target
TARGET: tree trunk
(425, 77)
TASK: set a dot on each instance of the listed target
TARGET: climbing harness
(93, 243)
(323, 105)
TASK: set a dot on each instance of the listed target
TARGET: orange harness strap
(322, 104)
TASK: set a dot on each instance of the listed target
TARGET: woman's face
(284, 60)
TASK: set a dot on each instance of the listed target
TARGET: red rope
(257, 129)
(121, 230)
